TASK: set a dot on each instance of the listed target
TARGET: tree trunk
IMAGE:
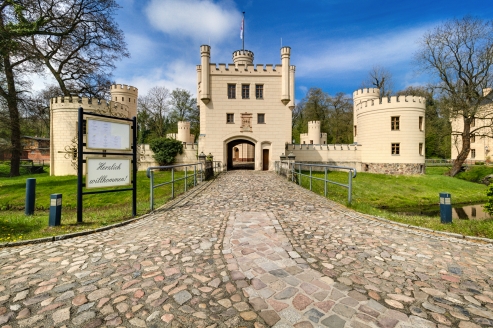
(466, 147)
(15, 128)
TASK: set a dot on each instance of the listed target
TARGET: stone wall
(393, 168)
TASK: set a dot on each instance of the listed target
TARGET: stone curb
(169, 204)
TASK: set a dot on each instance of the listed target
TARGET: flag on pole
(241, 28)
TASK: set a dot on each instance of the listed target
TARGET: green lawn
(379, 194)
(99, 210)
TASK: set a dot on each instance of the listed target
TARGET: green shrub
(475, 173)
(165, 150)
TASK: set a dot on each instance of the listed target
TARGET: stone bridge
(249, 249)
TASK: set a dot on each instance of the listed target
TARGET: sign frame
(113, 124)
(89, 173)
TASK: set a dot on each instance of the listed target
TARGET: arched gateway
(245, 109)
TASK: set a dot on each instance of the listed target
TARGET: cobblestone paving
(249, 250)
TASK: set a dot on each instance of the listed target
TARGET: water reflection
(465, 212)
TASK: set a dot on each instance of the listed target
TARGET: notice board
(106, 134)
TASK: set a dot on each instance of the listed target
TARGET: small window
(396, 149)
(355, 131)
(259, 91)
(230, 118)
(123, 98)
(129, 100)
(421, 148)
(473, 122)
(473, 212)
(473, 153)
(394, 123)
(311, 142)
(261, 118)
(421, 123)
(473, 138)
(231, 91)
(245, 91)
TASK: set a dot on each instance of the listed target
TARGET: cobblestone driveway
(249, 250)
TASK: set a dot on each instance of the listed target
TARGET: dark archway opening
(241, 155)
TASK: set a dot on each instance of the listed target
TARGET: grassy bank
(99, 210)
(379, 194)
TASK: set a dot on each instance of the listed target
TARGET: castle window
(421, 148)
(311, 142)
(123, 98)
(128, 99)
(473, 153)
(230, 118)
(260, 118)
(421, 123)
(396, 149)
(259, 91)
(473, 212)
(355, 131)
(245, 91)
(231, 91)
(473, 138)
(394, 123)
(473, 122)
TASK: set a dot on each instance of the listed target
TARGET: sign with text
(107, 172)
(106, 134)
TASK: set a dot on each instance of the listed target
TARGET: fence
(295, 170)
(449, 162)
(200, 173)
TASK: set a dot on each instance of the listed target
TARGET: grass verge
(99, 210)
(379, 194)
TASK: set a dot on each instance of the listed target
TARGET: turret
(292, 69)
(183, 131)
(127, 96)
(359, 96)
(314, 131)
(243, 57)
(285, 55)
(205, 56)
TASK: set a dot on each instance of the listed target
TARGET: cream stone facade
(388, 136)
(243, 103)
(63, 122)
(482, 142)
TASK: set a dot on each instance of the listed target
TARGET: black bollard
(30, 196)
(55, 210)
(445, 208)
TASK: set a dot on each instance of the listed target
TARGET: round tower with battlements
(390, 131)
(243, 57)
(314, 132)
(125, 95)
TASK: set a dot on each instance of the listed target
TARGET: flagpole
(243, 26)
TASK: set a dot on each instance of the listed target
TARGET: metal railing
(449, 162)
(291, 168)
(196, 173)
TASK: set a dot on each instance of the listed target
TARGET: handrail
(292, 169)
(150, 174)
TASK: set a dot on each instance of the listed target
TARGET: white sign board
(104, 134)
(107, 172)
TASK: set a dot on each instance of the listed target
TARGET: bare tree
(155, 108)
(459, 54)
(380, 78)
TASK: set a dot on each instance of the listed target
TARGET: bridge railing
(299, 170)
(195, 177)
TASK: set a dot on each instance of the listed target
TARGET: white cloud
(178, 74)
(199, 20)
(361, 53)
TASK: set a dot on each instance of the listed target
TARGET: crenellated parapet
(257, 69)
(390, 103)
(243, 57)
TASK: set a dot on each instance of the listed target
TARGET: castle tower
(366, 94)
(391, 132)
(285, 87)
(184, 132)
(127, 96)
(243, 57)
(205, 57)
(314, 132)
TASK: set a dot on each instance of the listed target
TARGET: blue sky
(334, 43)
